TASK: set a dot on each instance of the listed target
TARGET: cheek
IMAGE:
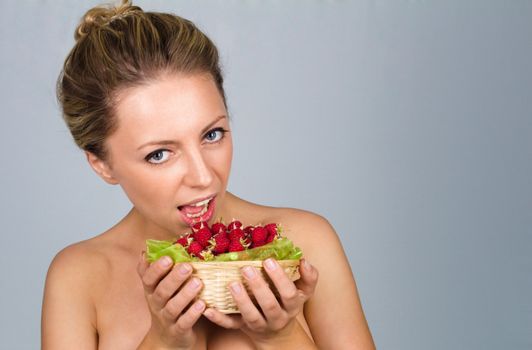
(224, 159)
(151, 188)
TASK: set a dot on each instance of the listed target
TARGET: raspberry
(205, 243)
(273, 232)
(220, 243)
(234, 225)
(236, 234)
(195, 248)
(199, 225)
(235, 246)
(185, 240)
(248, 230)
(221, 235)
(218, 227)
(246, 242)
(272, 228)
(270, 238)
(202, 236)
(258, 236)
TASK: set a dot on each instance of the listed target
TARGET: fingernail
(166, 261)
(208, 313)
(270, 264)
(194, 283)
(306, 265)
(249, 272)
(184, 269)
(199, 305)
(235, 286)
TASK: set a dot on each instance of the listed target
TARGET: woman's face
(172, 148)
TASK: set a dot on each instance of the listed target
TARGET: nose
(198, 173)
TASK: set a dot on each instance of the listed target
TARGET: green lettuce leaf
(156, 249)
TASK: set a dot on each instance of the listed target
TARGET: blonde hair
(119, 47)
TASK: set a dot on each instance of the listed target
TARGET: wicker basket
(216, 277)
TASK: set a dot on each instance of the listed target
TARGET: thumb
(142, 265)
(309, 278)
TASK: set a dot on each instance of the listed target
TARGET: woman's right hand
(168, 294)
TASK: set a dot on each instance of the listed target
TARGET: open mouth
(199, 211)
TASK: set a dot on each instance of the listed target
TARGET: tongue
(188, 209)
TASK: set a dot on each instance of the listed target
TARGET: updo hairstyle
(119, 47)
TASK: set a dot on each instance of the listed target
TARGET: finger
(223, 320)
(309, 278)
(143, 264)
(273, 312)
(264, 295)
(251, 315)
(155, 272)
(288, 292)
(170, 284)
(190, 317)
(179, 302)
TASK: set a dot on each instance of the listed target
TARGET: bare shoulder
(80, 261)
(311, 231)
(74, 274)
(299, 217)
(322, 247)
(82, 269)
(68, 310)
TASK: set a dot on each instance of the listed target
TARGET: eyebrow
(171, 142)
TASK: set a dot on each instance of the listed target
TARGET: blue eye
(215, 135)
(159, 156)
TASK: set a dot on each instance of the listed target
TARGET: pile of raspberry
(206, 241)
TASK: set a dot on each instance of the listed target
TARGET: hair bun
(101, 15)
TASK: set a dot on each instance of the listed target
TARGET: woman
(142, 94)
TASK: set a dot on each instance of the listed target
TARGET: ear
(101, 168)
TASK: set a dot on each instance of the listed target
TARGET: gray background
(407, 124)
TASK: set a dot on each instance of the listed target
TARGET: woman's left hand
(278, 317)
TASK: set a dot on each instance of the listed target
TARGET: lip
(197, 200)
(205, 217)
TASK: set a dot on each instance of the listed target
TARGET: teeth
(201, 203)
(203, 211)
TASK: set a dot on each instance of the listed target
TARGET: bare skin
(99, 293)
